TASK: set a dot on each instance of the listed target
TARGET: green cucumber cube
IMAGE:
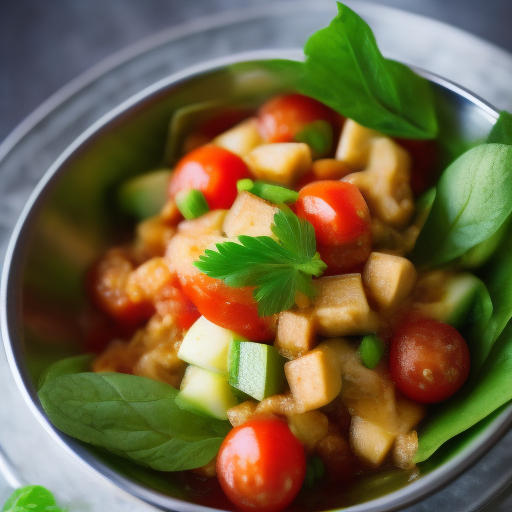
(206, 393)
(206, 345)
(256, 369)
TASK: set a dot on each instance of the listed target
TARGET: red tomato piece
(429, 360)
(212, 170)
(231, 308)
(283, 117)
(261, 465)
(106, 285)
(340, 217)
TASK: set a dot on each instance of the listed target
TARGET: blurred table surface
(44, 45)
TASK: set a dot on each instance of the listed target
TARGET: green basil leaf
(31, 498)
(487, 391)
(345, 70)
(502, 130)
(134, 417)
(473, 199)
(68, 366)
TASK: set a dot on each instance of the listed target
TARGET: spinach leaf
(31, 498)
(502, 130)
(345, 69)
(134, 417)
(487, 391)
(70, 365)
(473, 200)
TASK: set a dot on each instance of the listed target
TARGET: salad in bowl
(311, 308)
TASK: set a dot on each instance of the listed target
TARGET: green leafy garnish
(133, 417)
(277, 269)
(345, 70)
(273, 193)
(31, 498)
(502, 130)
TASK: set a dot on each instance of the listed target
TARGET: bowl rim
(411, 493)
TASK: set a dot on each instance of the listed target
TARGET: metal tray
(28, 152)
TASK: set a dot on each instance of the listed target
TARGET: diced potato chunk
(330, 169)
(250, 215)
(405, 447)
(309, 427)
(389, 279)
(241, 139)
(315, 378)
(209, 224)
(370, 442)
(408, 414)
(385, 183)
(240, 413)
(296, 333)
(355, 144)
(283, 162)
(341, 307)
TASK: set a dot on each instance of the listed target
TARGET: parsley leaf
(277, 269)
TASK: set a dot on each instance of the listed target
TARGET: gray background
(46, 43)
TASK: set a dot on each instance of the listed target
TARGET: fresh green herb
(191, 203)
(502, 130)
(31, 498)
(273, 193)
(68, 366)
(371, 350)
(278, 269)
(145, 195)
(318, 136)
(345, 70)
(473, 200)
(133, 417)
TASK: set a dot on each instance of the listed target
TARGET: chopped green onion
(318, 136)
(371, 350)
(191, 203)
(314, 471)
(273, 193)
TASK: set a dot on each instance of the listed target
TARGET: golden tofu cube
(241, 139)
(282, 163)
(250, 215)
(314, 379)
(296, 333)
(309, 427)
(408, 414)
(369, 441)
(240, 413)
(355, 144)
(389, 279)
(208, 224)
(341, 307)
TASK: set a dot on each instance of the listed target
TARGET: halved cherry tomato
(429, 360)
(231, 308)
(261, 465)
(106, 286)
(212, 170)
(340, 217)
(282, 118)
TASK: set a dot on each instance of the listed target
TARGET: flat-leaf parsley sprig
(277, 269)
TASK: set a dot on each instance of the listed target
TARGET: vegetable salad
(301, 288)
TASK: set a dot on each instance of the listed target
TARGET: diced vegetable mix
(295, 302)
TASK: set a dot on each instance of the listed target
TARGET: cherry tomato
(340, 217)
(282, 118)
(425, 168)
(106, 285)
(261, 465)
(212, 170)
(428, 360)
(231, 308)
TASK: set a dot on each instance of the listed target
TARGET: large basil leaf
(133, 417)
(31, 498)
(486, 392)
(502, 130)
(345, 70)
(473, 200)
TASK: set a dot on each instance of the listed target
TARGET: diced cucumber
(256, 369)
(371, 350)
(458, 296)
(206, 345)
(145, 195)
(205, 393)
